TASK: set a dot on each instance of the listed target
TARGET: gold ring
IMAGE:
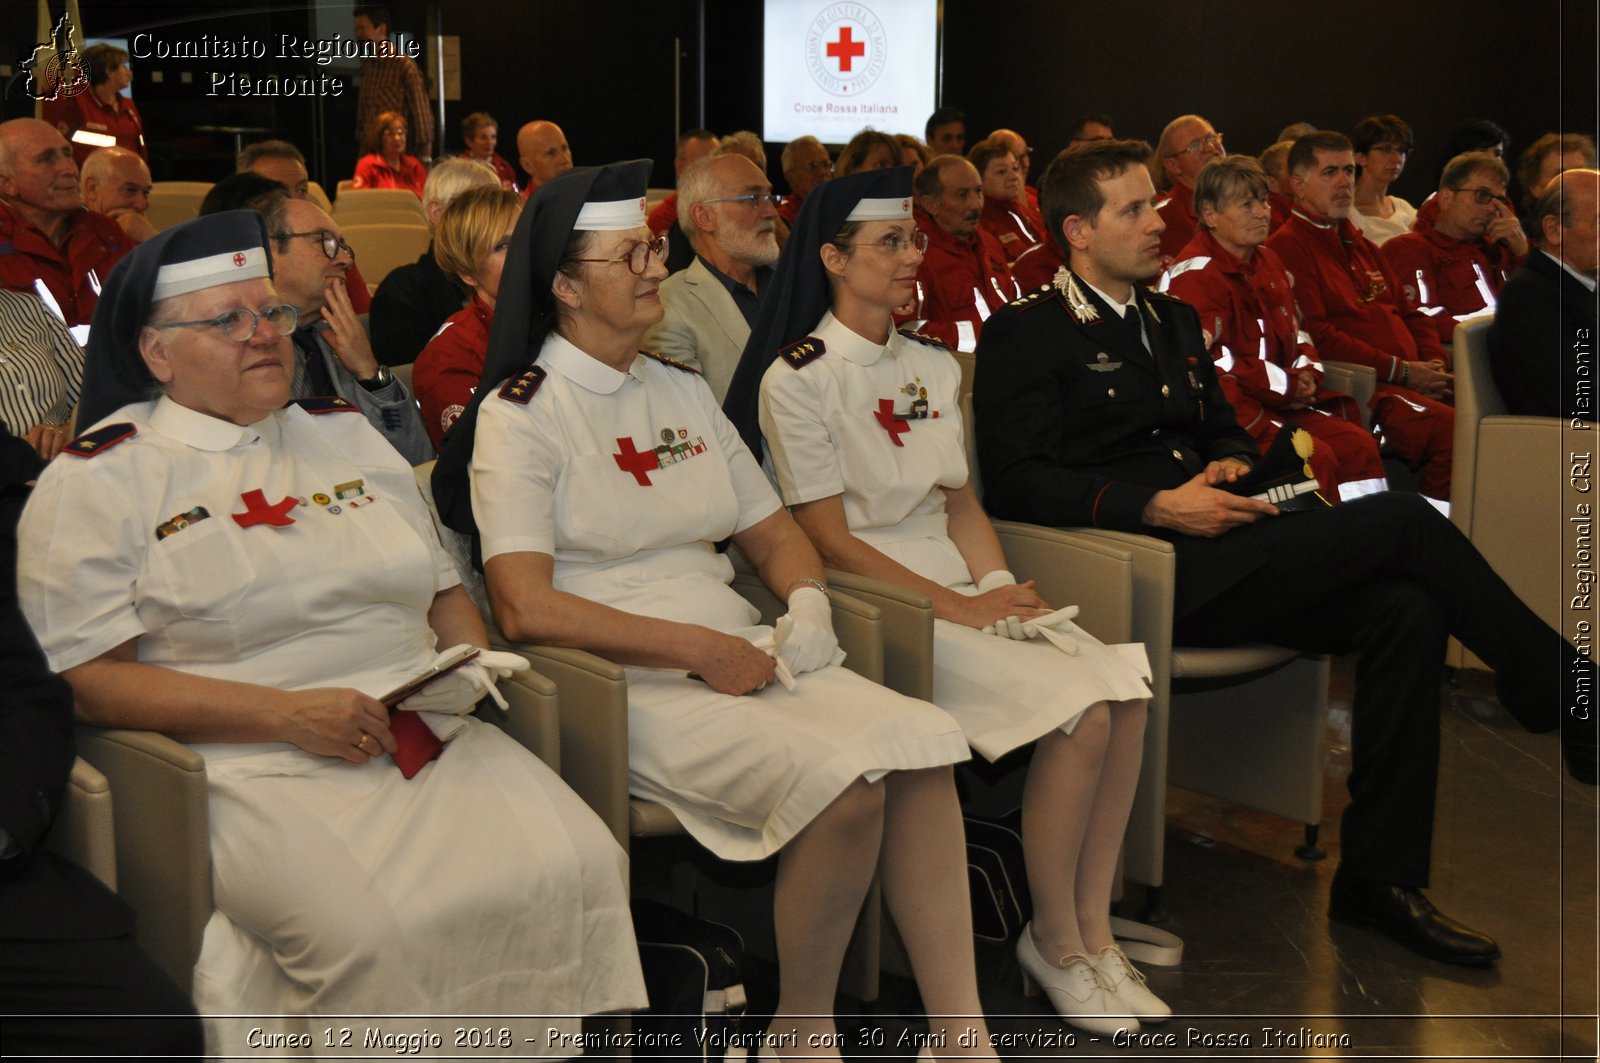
(362, 745)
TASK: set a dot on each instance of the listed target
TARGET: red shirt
(74, 271)
(502, 168)
(1448, 279)
(960, 283)
(1282, 206)
(1248, 313)
(83, 111)
(447, 371)
(373, 172)
(790, 211)
(1354, 309)
(1030, 253)
(1177, 210)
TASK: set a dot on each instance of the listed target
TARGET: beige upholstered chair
(1359, 381)
(172, 202)
(1517, 481)
(1245, 724)
(351, 203)
(383, 247)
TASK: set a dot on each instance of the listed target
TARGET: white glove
(1057, 627)
(459, 691)
(803, 639)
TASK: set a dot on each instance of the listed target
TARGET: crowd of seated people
(525, 319)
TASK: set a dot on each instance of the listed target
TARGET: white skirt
(483, 886)
(745, 774)
(1005, 693)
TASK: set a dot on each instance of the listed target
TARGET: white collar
(1120, 308)
(583, 369)
(1312, 221)
(849, 344)
(1588, 282)
(204, 432)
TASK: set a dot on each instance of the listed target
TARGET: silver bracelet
(818, 584)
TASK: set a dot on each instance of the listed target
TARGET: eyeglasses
(752, 199)
(241, 324)
(1199, 144)
(819, 166)
(895, 244)
(638, 256)
(331, 244)
(1482, 196)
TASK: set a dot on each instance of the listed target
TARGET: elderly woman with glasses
(258, 578)
(863, 428)
(601, 480)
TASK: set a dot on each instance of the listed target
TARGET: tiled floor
(1514, 856)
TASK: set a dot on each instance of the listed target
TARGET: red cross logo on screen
(846, 49)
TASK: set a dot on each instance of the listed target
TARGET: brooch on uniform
(1077, 302)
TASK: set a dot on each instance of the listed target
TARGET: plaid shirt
(395, 84)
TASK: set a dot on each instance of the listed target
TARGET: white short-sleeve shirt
(139, 540)
(627, 479)
(879, 424)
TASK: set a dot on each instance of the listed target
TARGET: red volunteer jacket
(960, 283)
(74, 271)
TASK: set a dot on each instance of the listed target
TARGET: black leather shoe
(1410, 918)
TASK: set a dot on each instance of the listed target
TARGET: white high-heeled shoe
(1126, 983)
(1075, 989)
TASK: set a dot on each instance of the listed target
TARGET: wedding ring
(362, 745)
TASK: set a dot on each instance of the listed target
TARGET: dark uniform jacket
(1542, 342)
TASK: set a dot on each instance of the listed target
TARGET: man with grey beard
(727, 209)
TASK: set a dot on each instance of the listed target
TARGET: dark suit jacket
(409, 306)
(1544, 329)
(1078, 424)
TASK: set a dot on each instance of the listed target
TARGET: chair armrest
(593, 723)
(907, 630)
(857, 625)
(84, 830)
(1155, 572)
(163, 839)
(533, 717)
(1072, 568)
(1357, 380)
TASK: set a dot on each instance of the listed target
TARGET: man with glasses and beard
(727, 209)
(333, 356)
(964, 277)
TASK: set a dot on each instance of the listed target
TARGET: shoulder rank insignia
(1037, 297)
(521, 388)
(664, 360)
(326, 404)
(924, 337)
(801, 353)
(101, 439)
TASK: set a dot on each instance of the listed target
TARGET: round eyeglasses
(241, 324)
(638, 256)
